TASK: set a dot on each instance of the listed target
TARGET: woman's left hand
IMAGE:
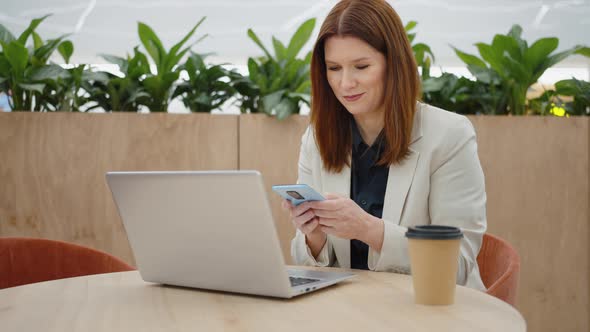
(342, 217)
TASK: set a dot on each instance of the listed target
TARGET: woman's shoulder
(439, 125)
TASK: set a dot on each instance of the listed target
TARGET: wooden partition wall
(537, 182)
(52, 167)
(52, 185)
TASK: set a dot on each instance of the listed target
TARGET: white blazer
(440, 182)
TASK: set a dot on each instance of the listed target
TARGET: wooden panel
(53, 166)
(537, 181)
(272, 147)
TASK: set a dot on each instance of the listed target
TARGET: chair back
(499, 267)
(27, 260)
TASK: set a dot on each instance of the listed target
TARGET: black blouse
(367, 187)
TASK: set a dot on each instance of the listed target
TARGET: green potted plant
(576, 101)
(208, 87)
(461, 95)
(122, 93)
(25, 70)
(140, 85)
(277, 84)
(512, 64)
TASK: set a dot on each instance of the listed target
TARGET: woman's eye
(362, 67)
(333, 68)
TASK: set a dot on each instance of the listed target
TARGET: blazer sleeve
(300, 251)
(457, 198)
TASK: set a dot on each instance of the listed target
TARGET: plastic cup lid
(434, 232)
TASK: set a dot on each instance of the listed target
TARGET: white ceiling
(110, 26)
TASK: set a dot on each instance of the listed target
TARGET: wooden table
(373, 301)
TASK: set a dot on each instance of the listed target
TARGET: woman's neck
(369, 125)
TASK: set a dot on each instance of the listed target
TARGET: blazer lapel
(339, 183)
(399, 181)
(401, 176)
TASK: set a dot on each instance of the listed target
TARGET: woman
(383, 160)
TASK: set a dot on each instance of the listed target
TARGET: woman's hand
(342, 217)
(304, 219)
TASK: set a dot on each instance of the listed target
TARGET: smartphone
(298, 193)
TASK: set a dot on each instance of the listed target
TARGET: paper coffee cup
(434, 256)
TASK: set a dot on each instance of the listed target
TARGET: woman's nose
(348, 80)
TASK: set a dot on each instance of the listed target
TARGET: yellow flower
(558, 111)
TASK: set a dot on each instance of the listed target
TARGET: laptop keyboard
(296, 281)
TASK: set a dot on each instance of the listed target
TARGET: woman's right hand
(304, 219)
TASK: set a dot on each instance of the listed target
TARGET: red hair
(376, 23)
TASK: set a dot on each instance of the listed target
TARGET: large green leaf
(410, 25)
(37, 41)
(307, 58)
(178, 45)
(292, 69)
(517, 71)
(304, 87)
(168, 79)
(285, 108)
(253, 70)
(256, 40)
(151, 42)
(37, 87)
(152, 84)
(17, 55)
(423, 49)
(271, 101)
(434, 84)
(570, 87)
(32, 26)
(4, 66)
(5, 35)
(42, 54)
(469, 59)
(138, 65)
(484, 74)
(173, 59)
(66, 49)
(507, 44)
(585, 51)
(539, 51)
(280, 50)
(493, 57)
(95, 76)
(300, 96)
(276, 83)
(49, 72)
(515, 32)
(115, 60)
(300, 37)
(553, 60)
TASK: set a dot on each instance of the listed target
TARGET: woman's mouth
(354, 97)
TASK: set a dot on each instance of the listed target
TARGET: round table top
(373, 301)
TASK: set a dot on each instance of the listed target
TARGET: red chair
(499, 267)
(25, 261)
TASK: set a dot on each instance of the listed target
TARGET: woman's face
(356, 74)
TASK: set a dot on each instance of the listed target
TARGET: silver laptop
(210, 230)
